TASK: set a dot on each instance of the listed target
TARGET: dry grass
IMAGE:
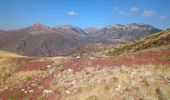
(7, 68)
(17, 79)
(155, 40)
(137, 82)
(6, 54)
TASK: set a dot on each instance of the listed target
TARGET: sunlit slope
(8, 54)
(152, 41)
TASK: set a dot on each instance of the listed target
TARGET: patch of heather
(149, 57)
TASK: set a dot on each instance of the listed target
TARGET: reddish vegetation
(42, 84)
(55, 96)
(149, 57)
(29, 65)
(34, 65)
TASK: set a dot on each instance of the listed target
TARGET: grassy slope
(5, 54)
(10, 76)
(155, 40)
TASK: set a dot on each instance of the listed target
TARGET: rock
(73, 82)
(31, 91)
(92, 58)
(51, 71)
(68, 92)
(6, 88)
(48, 66)
(118, 88)
(70, 70)
(78, 57)
(34, 85)
(47, 91)
(22, 89)
(25, 91)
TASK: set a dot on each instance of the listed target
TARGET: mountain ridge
(41, 40)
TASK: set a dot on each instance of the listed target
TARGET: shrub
(146, 82)
(16, 96)
(114, 79)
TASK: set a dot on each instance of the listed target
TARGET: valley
(138, 69)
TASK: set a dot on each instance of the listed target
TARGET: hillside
(140, 76)
(5, 54)
(37, 40)
(155, 40)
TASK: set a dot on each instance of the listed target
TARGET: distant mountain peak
(91, 30)
(39, 25)
(65, 26)
(38, 28)
(117, 26)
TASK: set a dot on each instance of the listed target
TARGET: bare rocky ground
(137, 76)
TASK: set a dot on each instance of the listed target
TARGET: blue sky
(16, 14)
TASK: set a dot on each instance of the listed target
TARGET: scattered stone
(78, 57)
(6, 88)
(73, 82)
(68, 92)
(92, 58)
(70, 70)
(48, 66)
(34, 85)
(31, 91)
(47, 91)
(51, 71)
(118, 88)
(25, 91)
(22, 89)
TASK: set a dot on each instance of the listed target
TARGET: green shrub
(146, 82)
(16, 96)
(114, 79)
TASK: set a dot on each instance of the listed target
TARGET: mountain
(116, 33)
(37, 40)
(41, 40)
(70, 30)
(91, 30)
(152, 41)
